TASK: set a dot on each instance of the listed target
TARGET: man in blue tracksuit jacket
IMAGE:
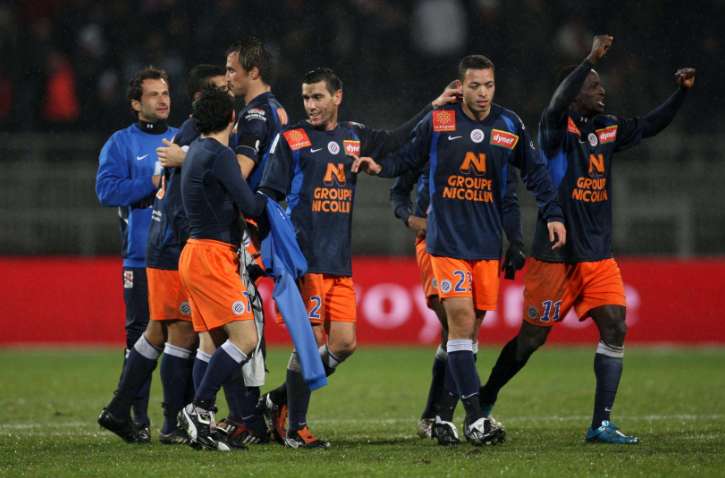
(128, 176)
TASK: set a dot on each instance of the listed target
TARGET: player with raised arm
(309, 165)
(128, 176)
(579, 141)
(214, 196)
(470, 149)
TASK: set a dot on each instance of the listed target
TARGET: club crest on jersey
(503, 139)
(444, 121)
(608, 134)
(352, 147)
(477, 135)
(238, 307)
(445, 286)
(571, 127)
(297, 139)
(533, 313)
(593, 141)
(185, 308)
(333, 147)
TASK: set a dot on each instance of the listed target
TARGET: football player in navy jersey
(471, 149)
(579, 141)
(310, 166)
(128, 176)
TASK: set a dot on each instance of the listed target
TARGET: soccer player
(214, 196)
(128, 176)
(414, 216)
(579, 142)
(170, 312)
(470, 148)
(309, 165)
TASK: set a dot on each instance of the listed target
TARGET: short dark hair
(252, 53)
(213, 110)
(474, 62)
(135, 89)
(332, 81)
(199, 77)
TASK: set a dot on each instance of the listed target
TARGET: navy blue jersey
(469, 178)
(214, 193)
(579, 155)
(126, 164)
(169, 227)
(258, 124)
(311, 167)
(403, 185)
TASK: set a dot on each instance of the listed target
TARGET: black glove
(513, 260)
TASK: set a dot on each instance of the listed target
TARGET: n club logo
(596, 164)
(474, 163)
(334, 174)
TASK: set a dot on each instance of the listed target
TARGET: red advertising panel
(68, 300)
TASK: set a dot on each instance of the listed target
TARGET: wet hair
(200, 76)
(252, 53)
(213, 110)
(474, 62)
(332, 82)
(135, 89)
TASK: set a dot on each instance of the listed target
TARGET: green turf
(673, 398)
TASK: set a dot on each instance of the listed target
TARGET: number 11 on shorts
(549, 306)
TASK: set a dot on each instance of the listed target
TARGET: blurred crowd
(66, 62)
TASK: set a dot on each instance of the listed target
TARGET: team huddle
(201, 224)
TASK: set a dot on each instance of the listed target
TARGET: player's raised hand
(451, 94)
(600, 46)
(685, 77)
(365, 164)
(557, 234)
(170, 154)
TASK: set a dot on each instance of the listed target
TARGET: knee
(615, 332)
(182, 335)
(343, 348)
(154, 333)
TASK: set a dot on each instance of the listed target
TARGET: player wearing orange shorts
(579, 142)
(215, 196)
(414, 216)
(471, 149)
(310, 165)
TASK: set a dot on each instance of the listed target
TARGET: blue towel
(284, 261)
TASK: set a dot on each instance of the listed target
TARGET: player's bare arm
(451, 94)
(246, 164)
(365, 164)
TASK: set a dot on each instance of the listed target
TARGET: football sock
(279, 394)
(298, 395)
(437, 384)
(175, 377)
(140, 364)
(504, 370)
(329, 362)
(463, 369)
(608, 370)
(223, 364)
(201, 362)
(234, 394)
(140, 405)
(248, 408)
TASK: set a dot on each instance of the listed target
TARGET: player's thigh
(548, 292)
(602, 285)
(243, 334)
(611, 322)
(461, 317)
(342, 338)
(206, 343)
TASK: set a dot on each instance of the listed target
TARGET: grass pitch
(674, 399)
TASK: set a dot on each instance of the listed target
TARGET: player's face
(155, 103)
(479, 87)
(590, 99)
(320, 105)
(237, 77)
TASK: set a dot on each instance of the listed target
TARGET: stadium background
(62, 92)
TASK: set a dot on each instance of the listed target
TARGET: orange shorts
(463, 278)
(328, 298)
(210, 272)
(430, 285)
(552, 288)
(168, 299)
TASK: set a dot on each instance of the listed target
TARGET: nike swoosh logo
(451, 138)
(139, 158)
(315, 150)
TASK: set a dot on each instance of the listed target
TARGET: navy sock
(225, 361)
(298, 400)
(608, 371)
(140, 364)
(233, 392)
(248, 407)
(437, 384)
(463, 370)
(201, 362)
(175, 377)
(505, 369)
(449, 398)
(279, 394)
(140, 406)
